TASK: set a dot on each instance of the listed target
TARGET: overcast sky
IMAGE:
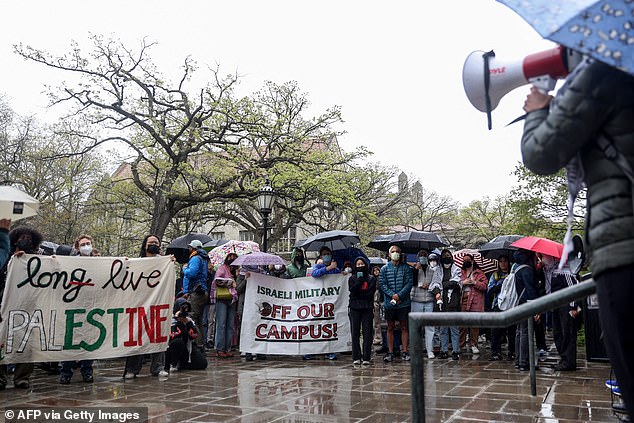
(395, 68)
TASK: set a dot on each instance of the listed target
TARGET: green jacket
(599, 100)
(292, 270)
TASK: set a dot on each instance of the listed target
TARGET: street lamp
(266, 198)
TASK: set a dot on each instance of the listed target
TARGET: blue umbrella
(602, 30)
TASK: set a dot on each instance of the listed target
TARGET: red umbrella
(540, 245)
(487, 265)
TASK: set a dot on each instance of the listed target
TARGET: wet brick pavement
(287, 389)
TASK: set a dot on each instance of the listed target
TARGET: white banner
(74, 308)
(296, 316)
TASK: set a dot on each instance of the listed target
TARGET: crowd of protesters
(207, 311)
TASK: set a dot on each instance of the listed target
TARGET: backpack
(507, 298)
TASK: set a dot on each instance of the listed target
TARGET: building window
(217, 235)
(286, 243)
(247, 236)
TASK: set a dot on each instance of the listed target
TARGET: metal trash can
(595, 350)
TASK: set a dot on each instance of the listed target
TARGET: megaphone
(486, 79)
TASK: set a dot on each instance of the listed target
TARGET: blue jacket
(319, 270)
(195, 273)
(4, 247)
(396, 280)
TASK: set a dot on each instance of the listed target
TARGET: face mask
(467, 265)
(85, 250)
(446, 260)
(327, 259)
(299, 259)
(422, 260)
(395, 256)
(153, 249)
(278, 267)
(24, 245)
(348, 270)
(433, 264)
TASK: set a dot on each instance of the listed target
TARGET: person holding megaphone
(589, 129)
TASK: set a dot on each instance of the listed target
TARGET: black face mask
(299, 259)
(467, 265)
(153, 249)
(446, 260)
(25, 245)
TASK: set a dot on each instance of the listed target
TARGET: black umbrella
(208, 246)
(381, 242)
(335, 240)
(179, 247)
(413, 242)
(500, 245)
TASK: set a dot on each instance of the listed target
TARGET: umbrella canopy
(348, 254)
(218, 254)
(500, 245)
(179, 247)
(16, 204)
(258, 258)
(410, 242)
(377, 261)
(486, 264)
(208, 246)
(335, 240)
(540, 245)
(599, 29)
(381, 242)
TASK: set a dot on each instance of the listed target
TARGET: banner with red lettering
(58, 308)
(295, 316)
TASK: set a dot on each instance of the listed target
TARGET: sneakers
(22, 384)
(611, 383)
(405, 356)
(163, 373)
(248, 357)
(308, 357)
(331, 356)
(430, 355)
(129, 375)
(495, 357)
(64, 380)
(455, 356)
(389, 357)
(444, 355)
(173, 369)
(475, 350)
(87, 378)
(356, 362)
(366, 362)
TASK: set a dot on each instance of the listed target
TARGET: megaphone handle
(543, 83)
(487, 83)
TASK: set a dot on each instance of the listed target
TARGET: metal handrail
(502, 319)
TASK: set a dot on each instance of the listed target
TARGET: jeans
(427, 306)
(225, 325)
(455, 338)
(134, 363)
(85, 366)
(198, 300)
(521, 343)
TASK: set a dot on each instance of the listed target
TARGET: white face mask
(348, 269)
(395, 256)
(278, 267)
(85, 250)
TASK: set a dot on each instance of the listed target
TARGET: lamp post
(266, 198)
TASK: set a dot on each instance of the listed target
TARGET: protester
(446, 289)
(434, 259)
(395, 282)
(277, 270)
(182, 352)
(324, 265)
(244, 274)
(23, 240)
(195, 283)
(493, 289)
(362, 286)
(474, 287)
(299, 264)
(565, 318)
(526, 289)
(83, 247)
(378, 302)
(590, 117)
(209, 312)
(150, 247)
(225, 297)
(5, 244)
(422, 298)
